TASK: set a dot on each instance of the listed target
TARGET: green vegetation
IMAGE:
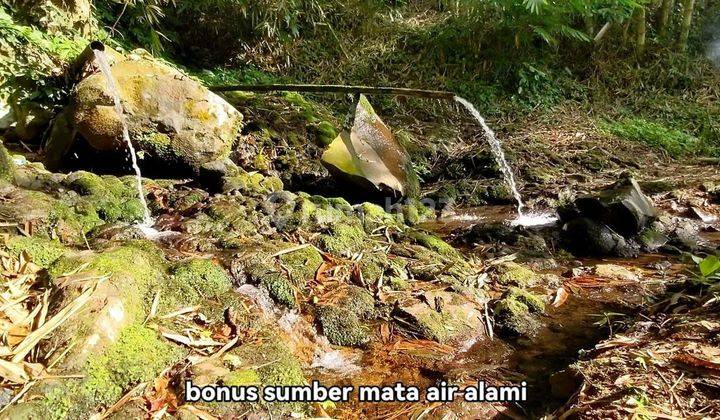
(674, 142)
(42, 252)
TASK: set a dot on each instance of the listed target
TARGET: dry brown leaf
(561, 296)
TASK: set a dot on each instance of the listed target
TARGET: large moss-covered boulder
(171, 118)
(370, 156)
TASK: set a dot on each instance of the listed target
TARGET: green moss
(193, 280)
(397, 283)
(342, 327)
(57, 403)
(344, 239)
(242, 377)
(514, 312)
(137, 356)
(433, 243)
(261, 162)
(359, 301)
(302, 264)
(42, 252)
(7, 167)
(108, 197)
(512, 273)
(325, 133)
(374, 217)
(252, 184)
(137, 268)
(533, 302)
(498, 192)
(372, 267)
(434, 325)
(676, 143)
(158, 143)
(275, 365)
(279, 288)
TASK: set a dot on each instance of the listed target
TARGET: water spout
(99, 51)
(497, 152)
(523, 219)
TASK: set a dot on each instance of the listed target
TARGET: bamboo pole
(424, 93)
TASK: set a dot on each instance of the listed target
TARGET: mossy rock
(279, 287)
(512, 273)
(375, 217)
(138, 355)
(342, 327)
(498, 192)
(344, 239)
(414, 212)
(135, 271)
(41, 251)
(358, 301)
(433, 243)
(273, 364)
(193, 281)
(253, 184)
(398, 284)
(515, 313)
(111, 198)
(197, 125)
(302, 264)
(441, 316)
(324, 132)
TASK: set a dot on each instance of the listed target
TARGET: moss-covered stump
(516, 313)
(440, 316)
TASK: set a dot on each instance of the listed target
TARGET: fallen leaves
(561, 295)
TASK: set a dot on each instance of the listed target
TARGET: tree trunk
(688, 7)
(639, 24)
(664, 18)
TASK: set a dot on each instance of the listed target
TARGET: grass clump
(673, 142)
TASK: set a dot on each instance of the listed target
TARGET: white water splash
(336, 361)
(534, 220)
(147, 222)
(497, 152)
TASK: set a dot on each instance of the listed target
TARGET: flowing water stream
(101, 58)
(523, 219)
